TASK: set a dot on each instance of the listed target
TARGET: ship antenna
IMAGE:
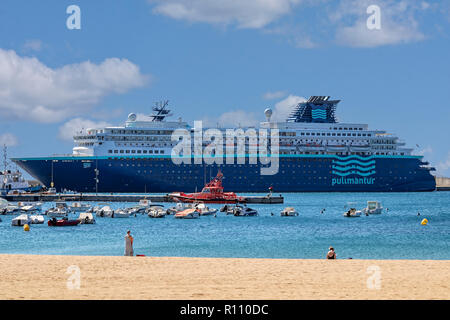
(5, 157)
(161, 112)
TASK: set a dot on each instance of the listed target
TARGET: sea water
(395, 234)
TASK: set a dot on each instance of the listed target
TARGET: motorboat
(29, 207)
(121, 213)
(11, 209)
(86, 218)
(21, 220)
(60, 210)
(373, 207)
(191, 213)
(79, 207)
(141, 207)
(57, 212)
(211, 193)
(36, 219)
(352, 213)
(289, 212)
(204, 210)
(104, 212)
(14, 183)
(228, 209)
(62, 222)
(179, 207)
(156, 212)
(244, 211)
(3, 203)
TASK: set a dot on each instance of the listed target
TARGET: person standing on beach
(129, 244)
(331, 254)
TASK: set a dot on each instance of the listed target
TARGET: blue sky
(223, 61)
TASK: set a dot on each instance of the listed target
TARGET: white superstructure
(296, 136)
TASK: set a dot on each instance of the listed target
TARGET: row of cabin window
(137, 151)
(334, 134)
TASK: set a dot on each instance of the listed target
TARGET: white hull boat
(21, 220)
(86, 218)
(289, 212)
(204, 210)
(187, 214)
(120, 214)
(156, 212)
(79, 207)
(228, 209)
(352, 213)
(373, 207)
(36, 219)
(244, 212)
(179, 207)
(57, 212)
(104, 212)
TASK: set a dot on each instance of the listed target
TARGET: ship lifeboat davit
(211, 193)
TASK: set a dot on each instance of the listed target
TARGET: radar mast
(160, 111)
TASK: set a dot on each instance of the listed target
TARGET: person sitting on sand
(331, 254)
(129, 244)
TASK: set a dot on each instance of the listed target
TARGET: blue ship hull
(297, 173)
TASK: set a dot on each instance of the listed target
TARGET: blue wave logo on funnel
(353, 165)
(319, 114)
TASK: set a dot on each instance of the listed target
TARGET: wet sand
(47, 277)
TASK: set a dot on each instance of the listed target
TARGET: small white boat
(204, 210)
(121, 213)
(179, 207)
(289, 212)
(79, 207)
(12, 210)
(352, 213)
(228, 209)
(21, 220)
(190, 213)
(36, 219)
(156, 212)
(373, 207)
(30, 207)
(60, 210)
(86, 218)
(104, 212)
(3, 204)
(244, 211)
(141, 208)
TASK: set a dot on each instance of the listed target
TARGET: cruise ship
(313, 153)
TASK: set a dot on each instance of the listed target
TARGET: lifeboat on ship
(211, 193)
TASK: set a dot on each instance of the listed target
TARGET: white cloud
(70, 128)
(245, 13)
(29, 90)
(398, 23)
(285, 107)
(8, 139)
(274, 95)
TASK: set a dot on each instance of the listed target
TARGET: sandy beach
(52, 277)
